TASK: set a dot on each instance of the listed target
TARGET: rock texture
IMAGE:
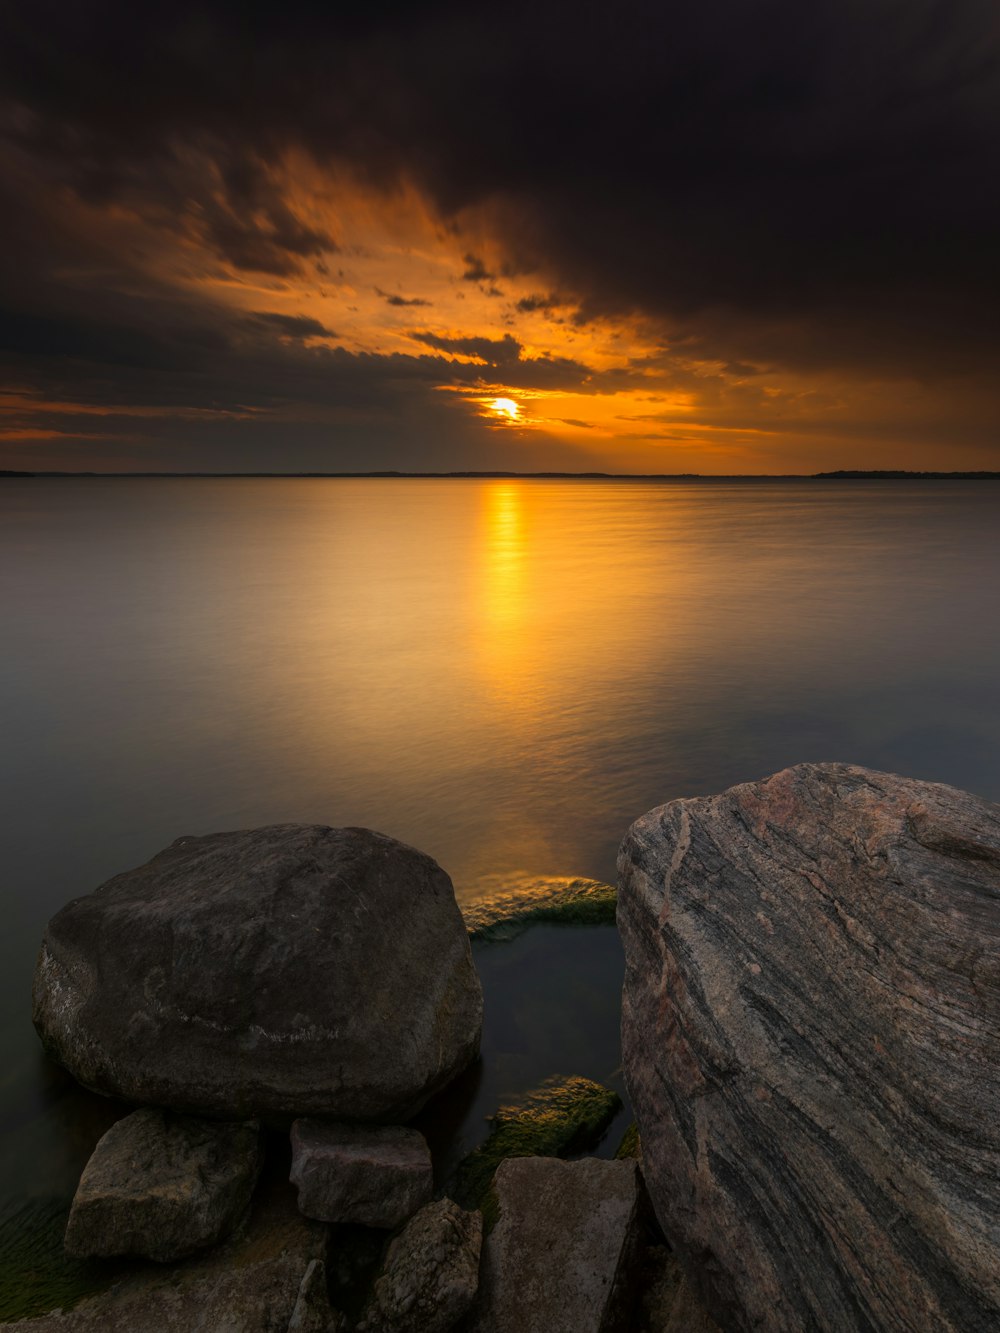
(811, 1032)
(255, 1282)
(563, 1255)
(292, 970)
(161, 1186)
(368, 1175)
(431, 1273)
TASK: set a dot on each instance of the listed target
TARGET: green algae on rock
(563, 1116)
(630, 1147)
(517, 903)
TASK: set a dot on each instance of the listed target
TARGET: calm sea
(503, 673)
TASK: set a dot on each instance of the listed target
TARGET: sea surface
(504, 673)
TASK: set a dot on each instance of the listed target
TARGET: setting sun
(505, 407)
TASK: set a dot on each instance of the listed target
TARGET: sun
(505, 407)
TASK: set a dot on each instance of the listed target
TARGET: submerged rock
(510, 906)
(811, 1031)
(562, 1116)
(563, 1255)
(365, 1175)
(283, 971)
(161, 1186)
(431, 1273)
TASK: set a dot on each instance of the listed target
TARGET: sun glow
(505, 407)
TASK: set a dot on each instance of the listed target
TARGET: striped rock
(811, 1031)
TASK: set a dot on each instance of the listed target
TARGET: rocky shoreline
(810, 1042)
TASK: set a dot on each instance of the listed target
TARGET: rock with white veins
(563, 1256)
(367, 1175)
(811, 1034)
(161, 1186)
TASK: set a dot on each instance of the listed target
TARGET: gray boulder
(162, 1186)
(811, 1034)
(430, 1275)
(368, 1175)
(563, 1255)
(292, 970)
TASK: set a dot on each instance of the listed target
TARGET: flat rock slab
(811, 1040)
(430, 1276)
(563, 1255)
(368, 1175)
(161, 1186)
(276, 972)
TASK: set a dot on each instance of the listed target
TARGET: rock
(667, 1302)
(563, 1116)
(252, 1283)
(162, 1186)
(273, 972)
(312, 1312)
(368, 1175)
(510, 904)
(563, 1255)
(811, 1032)
(431, 1273)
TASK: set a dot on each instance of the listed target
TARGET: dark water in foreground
(503, 673)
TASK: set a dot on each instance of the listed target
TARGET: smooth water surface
(504, 673)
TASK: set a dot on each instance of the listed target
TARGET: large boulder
(811, 1031)
(291, 970)
(162, 1186)
(563, 1256)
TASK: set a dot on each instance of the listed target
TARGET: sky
(732, 236)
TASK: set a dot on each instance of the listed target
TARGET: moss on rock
(517, 904)
(563, 1116)
(630, 1147)
(35, 1273)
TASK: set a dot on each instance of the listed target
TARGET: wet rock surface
(282, 971)
(811, 1031)
(430, 1275)
(372, 1176)
(563, 1255)
(161, 1186)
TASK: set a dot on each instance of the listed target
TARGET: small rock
(370, 1175)
(563, 1116)
(251, 1283)
(312, 1312)
(563, 1255)
(431, 1272)
(162, 1186)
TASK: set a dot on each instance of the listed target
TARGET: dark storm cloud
(771, 159)
(476, 270)
(294, 326)
(394, 300)
(785, 184)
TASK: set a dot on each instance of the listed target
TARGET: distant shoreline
(528, 476)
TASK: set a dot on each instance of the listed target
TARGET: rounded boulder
(278, 972)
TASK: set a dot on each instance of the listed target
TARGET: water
(503, 673)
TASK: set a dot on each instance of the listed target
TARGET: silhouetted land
(563, 476)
